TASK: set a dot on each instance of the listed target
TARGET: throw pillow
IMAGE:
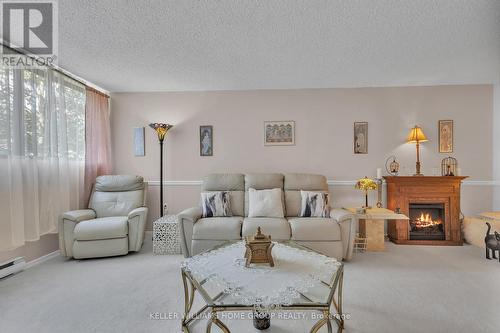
(216, 204)
(265, 203)
(314, 204)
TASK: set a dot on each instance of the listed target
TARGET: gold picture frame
(445, 134)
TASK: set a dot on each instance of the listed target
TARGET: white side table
(166, 235)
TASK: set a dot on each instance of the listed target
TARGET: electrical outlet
(165, 208)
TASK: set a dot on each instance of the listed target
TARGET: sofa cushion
(237, 199)
(216, 204)
(294, 183)
(265, 203)
(315, 229)
(218, 228)
(223, 182)
(116, 203)
(278, 228)
(102, 228)
(263, 181)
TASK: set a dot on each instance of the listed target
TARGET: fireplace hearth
(427, 221)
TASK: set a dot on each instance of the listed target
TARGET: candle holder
(379, 192)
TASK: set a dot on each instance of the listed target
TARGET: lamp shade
(416, 135)
(161, 129)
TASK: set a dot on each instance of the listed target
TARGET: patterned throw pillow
(216, 204)
(314, 204)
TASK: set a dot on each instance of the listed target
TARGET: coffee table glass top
(300, 276)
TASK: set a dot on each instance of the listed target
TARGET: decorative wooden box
(258, 249)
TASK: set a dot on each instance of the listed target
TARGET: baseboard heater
(12, 266)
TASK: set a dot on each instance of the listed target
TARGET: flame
(425, 220)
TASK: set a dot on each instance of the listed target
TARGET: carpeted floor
(405, 289)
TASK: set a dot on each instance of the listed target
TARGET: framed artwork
(446, 136)
(139, 149)
(361, 137)
(206, 140)
(279, 133)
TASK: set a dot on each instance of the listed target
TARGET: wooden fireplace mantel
(404, 190)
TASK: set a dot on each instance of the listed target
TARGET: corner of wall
(496, 146)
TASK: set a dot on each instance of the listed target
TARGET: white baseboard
(44, 258)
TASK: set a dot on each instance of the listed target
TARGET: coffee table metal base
(191, 286)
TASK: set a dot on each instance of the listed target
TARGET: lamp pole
(161, 129)
(418, 159)
(161, 178)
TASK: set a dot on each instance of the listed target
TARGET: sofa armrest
(79, 215)
(136, 228)
(186, 219)
(348, 223)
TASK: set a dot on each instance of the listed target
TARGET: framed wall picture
(361, 137)
(139, 149)
(279, 133)
(206, 140)
(446, 136)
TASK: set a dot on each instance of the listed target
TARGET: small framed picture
(361, 137)
(446, 136)
(279, 133)
(206, 140)
(139, 141)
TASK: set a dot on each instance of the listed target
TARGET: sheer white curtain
(42, 152)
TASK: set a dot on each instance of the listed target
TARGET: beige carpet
(405, 289)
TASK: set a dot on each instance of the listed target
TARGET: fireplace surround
(433, 206)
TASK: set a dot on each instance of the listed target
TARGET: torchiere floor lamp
(161, 129)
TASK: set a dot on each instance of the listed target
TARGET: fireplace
(432, 204)
(426, 221)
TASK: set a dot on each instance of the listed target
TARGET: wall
(33, 250)
(324, 136)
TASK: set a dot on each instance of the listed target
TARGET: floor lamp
(161, 129)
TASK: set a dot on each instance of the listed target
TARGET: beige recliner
(333, 236)
(113, 225)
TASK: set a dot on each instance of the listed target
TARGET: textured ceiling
(181, 45)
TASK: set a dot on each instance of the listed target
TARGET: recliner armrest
(79, 215)
(136, 228)
(137, 212)
(348, 224)
(186, 219)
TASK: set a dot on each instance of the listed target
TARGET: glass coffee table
(301, 280)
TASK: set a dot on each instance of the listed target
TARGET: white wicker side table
(166, 235)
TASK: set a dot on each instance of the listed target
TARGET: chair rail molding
(330, 182)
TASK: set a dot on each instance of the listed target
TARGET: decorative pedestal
(166, 235)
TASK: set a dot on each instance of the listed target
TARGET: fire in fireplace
(427, 221)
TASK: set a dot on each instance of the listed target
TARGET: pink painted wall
(324, 135)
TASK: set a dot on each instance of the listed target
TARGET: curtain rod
(60, 70)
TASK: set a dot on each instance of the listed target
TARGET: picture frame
(139, 146)
(445, 134)
(360, 140)
(206, 140)
(279, 133)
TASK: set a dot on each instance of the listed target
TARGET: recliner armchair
(113, 225)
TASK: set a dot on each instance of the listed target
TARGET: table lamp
(416, 136)
(161, 129)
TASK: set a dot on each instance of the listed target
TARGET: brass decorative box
(258, 249)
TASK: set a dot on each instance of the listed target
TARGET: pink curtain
(97, 139)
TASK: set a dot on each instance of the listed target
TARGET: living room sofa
(332, 236)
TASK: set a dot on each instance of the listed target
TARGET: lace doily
(296, 271)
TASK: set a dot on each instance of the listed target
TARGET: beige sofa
(113, 225)
(332, 236)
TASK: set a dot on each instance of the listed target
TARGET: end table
(166, 235)
(371, 225)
